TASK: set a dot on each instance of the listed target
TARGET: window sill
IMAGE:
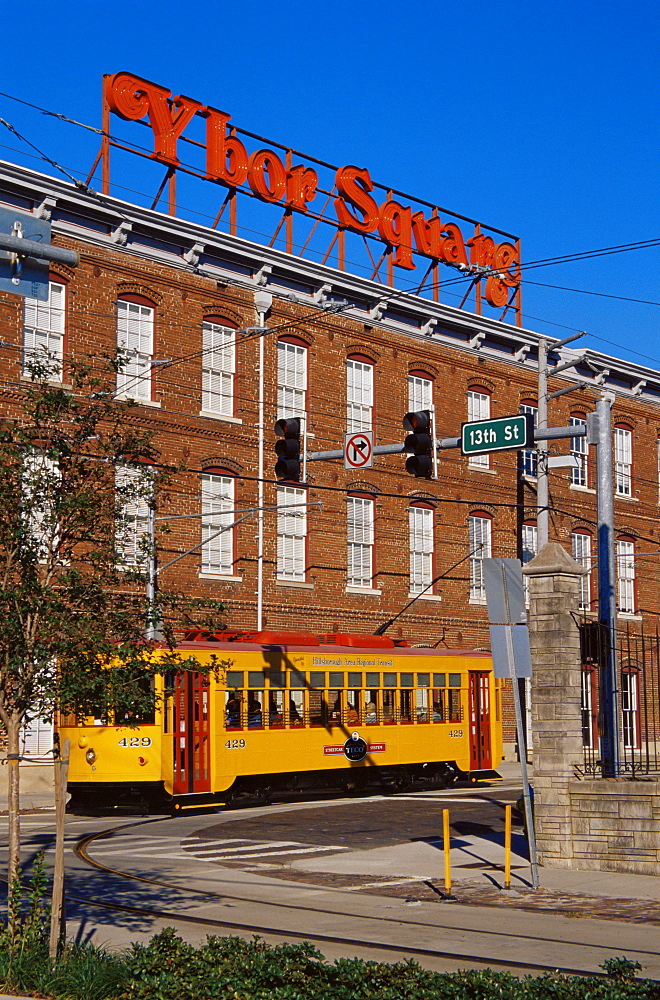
(220, 416)
(49, 381)
(294, 583)
(630, 617)
(581, 489)
(220, 576)
(482, 468)
(363, 590)
(155, 404)
(478, 600)
(622, 496)
(425, 597)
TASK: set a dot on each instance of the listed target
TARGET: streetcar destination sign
(481, 436)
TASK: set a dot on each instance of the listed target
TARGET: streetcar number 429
(135, 741)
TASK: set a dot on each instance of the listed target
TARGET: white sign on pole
(359, 450)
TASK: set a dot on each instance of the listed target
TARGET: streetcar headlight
(82, 742)
(90, 756)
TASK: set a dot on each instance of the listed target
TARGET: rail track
(274, 919)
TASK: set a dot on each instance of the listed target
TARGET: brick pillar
(554, 581)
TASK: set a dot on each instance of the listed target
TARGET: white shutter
(218, 368)
(132, 514)
(420, 393)
(217, 524)
(626, 572)
(43, 329)
(581, 548)
(291, 533)
(421, 547)
(291, 379)
(479, 541)
(135, 336)
(37, 739)
(360, 532)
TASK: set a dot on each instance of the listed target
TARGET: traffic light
(287, 448)
(420, 442)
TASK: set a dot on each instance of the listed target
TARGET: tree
(77, 473)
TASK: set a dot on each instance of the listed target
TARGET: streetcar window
(254, 709)
(354, 708)
(296, 678)
(355, 680)
(373, 680)
(423, 680)
(455, 713)
(233, 710)
(337, 679)
(438, 699)
(405, 696)
(422, 703)
(255, 678)
(370, 706)
(332, 708)
(406, 680)
(317, 680)
(276, 709)
(315, 708)
(454, 680)
(389, 697)
(438, 680)
(296, 708)
(234, 678)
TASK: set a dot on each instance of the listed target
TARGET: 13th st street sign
(481, 436)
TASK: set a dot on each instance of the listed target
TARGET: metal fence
(638, 672)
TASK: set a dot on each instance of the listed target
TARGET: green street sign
(482, 436)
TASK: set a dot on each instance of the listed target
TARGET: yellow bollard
(447, 848)
(507, 846)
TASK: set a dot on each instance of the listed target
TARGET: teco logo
(295, 185)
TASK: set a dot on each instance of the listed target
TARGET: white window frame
(41, 477)
(480, 531)
(291, 379)
(623, 461)
(135, 338)
(218, 515)
(529, 456)
(43, 331)
(218, 368)
(587, 708)
(625, 570)
(478, 408)
(629, 709)
(359, 395)
(420, 393)
(291, 534)
(579, 450)
(529, 546)
(132, 532)
(581, 549)
(360, 542)
(420, 533)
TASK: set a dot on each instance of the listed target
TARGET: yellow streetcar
(291, 711)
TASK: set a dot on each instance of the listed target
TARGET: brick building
(348, 549)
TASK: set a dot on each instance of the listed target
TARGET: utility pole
(542, 486)
(600, 434)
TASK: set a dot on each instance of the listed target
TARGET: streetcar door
(191, 734)
(479, 694)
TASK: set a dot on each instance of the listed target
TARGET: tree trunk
(13, 810)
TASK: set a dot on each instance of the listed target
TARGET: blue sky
(539, 119)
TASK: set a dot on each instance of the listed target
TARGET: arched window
(44, 331)
(291, 533)
(581, 549)
(291, 377)
(528, 455)
(478, 408)
(360, 541)
(420, 521)
(579, 451)
(135, 340)
(420, 391)
(625, 563)
(218, 366)
(359, 393)
(623, 460)
(133, 495)
(218, 515)
(630, 728)
(480, 546)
